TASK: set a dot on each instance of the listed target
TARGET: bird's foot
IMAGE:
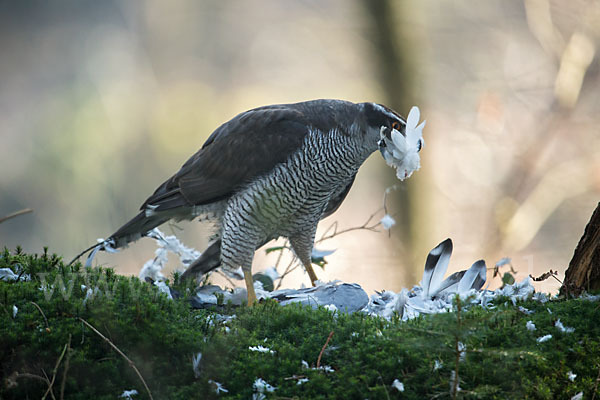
(250, 287)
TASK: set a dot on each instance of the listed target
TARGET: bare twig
(16, 214)
(43, 315)
(64, 377)
(546, 275)
(387, 394)
(131, 363)
(32, 376)
(62, 354)
(288, 270)
(226, 278)
(331, 232)
(294, 377)
(365, 226)
(323, 349)
(280, 256)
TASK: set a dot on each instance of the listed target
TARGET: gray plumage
(270, 172)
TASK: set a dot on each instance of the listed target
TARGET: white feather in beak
(402, 152)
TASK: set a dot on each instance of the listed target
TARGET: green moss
(503, 359)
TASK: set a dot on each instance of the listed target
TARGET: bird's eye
(419, 145)
(396, 125)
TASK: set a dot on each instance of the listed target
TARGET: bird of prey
(270, 172)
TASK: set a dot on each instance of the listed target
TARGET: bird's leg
(302, 247)
(238, 243)
(311, 272)
(250, 287)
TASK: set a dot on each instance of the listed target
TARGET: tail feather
(209, 260)
(137, 227)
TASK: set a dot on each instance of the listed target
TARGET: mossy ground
(502, 359)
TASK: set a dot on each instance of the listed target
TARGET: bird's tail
(137, 227)
(131, 231)
(209, 260)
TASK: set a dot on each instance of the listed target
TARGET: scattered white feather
(402, 151)
(518, 291)
(436, 266)
(325, 368)
(437, 364)
(261, 386)
(226, 318)
(436, 294)
(261, 349)
(525, 310)
(571, 376)
(331, 307)
(15, 311)
(196, 364)
(565, 329)
(399, 386)
(301, 381)
(163, 288)
(462, 351)
(316, 253)
(90, 294)
(503, 261)
(272, 273)
(218, 387)
(166, 244)
(545, 338)
(107, 245)
(590, 297)
(452, 382)
(540, 297)
(530, 326)
(578, 396)
(258, 285)
(387, 221)
(152, 269)
(187, 255)
(127, 394)
(7, 274)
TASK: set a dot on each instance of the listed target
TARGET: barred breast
(291, 199)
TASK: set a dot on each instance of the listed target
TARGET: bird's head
(398, 140)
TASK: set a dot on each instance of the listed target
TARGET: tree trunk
(584, 269)
(393, 64)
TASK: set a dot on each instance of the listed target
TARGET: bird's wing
(237, 152)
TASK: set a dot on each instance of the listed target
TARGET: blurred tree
(394, 69)
(584, 269)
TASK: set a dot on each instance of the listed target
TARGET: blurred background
(100, 101)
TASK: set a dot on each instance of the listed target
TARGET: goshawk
(271, 172)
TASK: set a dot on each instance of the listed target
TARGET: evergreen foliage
(487, 353)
